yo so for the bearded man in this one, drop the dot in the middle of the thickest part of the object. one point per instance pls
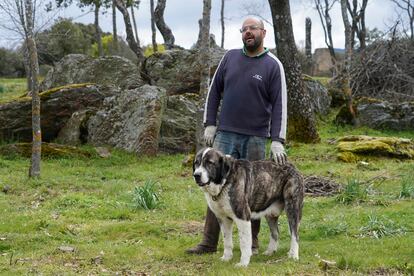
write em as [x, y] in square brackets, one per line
[251, 84]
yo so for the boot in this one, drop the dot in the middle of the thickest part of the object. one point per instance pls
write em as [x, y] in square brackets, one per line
[255, 234]
[210, 236]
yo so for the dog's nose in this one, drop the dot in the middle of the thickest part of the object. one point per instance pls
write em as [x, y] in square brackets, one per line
[197, 177]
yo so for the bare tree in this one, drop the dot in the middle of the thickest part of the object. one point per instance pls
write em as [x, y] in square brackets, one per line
[324, 7]
[257, 9]
[114, 29]
[98, 32]
[408, 7]
[153, 29]
[132, 4]
[132, 43]
[357, 12]
[162, 26]
[346, 68]
[204, 63]
[302, 123]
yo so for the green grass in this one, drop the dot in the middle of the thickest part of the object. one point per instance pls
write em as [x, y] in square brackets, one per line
[89, 204]
[11, 88]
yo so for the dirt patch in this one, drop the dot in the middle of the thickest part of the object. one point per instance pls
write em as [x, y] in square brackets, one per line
[192, 227]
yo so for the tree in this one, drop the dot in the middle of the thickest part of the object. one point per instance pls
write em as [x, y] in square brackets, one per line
[357, 12]
[22, 14]
[166, 32]
[153, 30]
[114, 28]
[346, 68]
[408, 7]
[132, 4]
[204, 63]
[135, 47]
[302, 123]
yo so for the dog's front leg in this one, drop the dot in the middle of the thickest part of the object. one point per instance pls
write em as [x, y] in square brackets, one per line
[226, 226]
[245, 235]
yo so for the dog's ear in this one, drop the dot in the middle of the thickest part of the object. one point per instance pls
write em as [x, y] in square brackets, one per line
[225, 163]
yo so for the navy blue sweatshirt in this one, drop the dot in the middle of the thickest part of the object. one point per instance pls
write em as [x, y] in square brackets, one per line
[253, 91]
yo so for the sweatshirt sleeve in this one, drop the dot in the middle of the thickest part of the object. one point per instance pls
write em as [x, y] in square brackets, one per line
[214, 95]
[278, 97]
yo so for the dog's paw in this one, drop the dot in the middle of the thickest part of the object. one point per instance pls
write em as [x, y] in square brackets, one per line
[226, 258]
[293, 255]
[242, 264]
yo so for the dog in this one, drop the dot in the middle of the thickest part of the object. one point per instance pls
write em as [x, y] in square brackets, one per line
[239, 190]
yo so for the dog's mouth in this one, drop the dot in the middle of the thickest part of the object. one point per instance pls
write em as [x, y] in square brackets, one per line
[199, 182]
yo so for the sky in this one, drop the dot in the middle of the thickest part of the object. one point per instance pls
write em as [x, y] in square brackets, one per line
[182, 17]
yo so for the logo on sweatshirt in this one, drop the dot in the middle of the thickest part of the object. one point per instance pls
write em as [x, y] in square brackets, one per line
[257, 77]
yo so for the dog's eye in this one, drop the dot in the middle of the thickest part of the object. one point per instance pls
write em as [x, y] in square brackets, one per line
[209, 162]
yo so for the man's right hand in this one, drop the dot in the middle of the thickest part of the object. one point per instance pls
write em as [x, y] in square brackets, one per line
[209, 134]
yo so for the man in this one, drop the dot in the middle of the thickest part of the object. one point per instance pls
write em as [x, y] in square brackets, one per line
[251, 84]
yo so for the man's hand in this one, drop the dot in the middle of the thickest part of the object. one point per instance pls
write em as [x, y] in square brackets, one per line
[209, 134]
[279, 154]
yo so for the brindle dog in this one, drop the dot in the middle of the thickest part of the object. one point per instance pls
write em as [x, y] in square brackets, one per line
[240, 190]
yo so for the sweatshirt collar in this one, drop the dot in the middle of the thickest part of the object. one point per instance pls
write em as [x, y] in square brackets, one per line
[258, 55]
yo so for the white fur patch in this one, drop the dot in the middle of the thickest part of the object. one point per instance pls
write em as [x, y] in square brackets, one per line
[273, 210]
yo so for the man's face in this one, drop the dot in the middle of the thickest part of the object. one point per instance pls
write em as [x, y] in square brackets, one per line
[253, 34]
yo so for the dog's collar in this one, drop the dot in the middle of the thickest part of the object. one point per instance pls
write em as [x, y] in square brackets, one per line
[216, 197]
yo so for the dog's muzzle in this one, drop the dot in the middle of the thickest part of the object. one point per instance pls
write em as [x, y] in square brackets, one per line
[197, 178]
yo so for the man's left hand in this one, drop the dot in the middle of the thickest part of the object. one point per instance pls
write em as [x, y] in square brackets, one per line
[279, 154]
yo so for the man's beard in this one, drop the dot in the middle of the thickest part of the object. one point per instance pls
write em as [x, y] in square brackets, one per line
[253, 47]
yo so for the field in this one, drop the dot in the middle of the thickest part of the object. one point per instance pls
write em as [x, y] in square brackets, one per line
[82, 217]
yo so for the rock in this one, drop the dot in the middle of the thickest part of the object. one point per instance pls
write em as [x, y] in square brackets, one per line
[57, 106]
[48, 150]
[130, 121]
[178, 124]
[66, 249]
[178, 71]
[108, 70]
[71, 132]
[103, 152]
[319, 95]
[379, 114]
[5, 189]
[355, 147]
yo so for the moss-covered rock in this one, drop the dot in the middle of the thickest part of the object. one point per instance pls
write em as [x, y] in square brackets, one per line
[356, 147]
[49, 150]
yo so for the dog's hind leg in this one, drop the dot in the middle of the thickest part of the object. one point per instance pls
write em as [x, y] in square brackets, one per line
[293, 194]
[245, 235]
[274, 235]
[226, 225]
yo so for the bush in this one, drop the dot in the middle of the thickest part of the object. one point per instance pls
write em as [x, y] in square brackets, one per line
[407, 187]
[2, 88]
[146, 197]
[354, 191]
[378, 227]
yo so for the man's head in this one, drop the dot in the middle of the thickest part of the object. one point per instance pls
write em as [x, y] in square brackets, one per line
[253, 33]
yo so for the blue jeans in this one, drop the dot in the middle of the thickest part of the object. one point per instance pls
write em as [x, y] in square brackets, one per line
[240, 146]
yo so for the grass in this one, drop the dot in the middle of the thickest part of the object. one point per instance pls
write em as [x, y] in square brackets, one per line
[11, 88]
[90, 205]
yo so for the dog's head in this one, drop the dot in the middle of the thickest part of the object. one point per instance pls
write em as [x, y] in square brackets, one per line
[210, 166]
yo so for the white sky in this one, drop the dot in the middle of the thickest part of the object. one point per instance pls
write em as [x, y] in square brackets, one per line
[182, 17]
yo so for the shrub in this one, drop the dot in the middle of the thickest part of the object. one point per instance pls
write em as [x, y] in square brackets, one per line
[146, 197]
[354, 191]
[2, 88]
[378, 227]
[407, 187]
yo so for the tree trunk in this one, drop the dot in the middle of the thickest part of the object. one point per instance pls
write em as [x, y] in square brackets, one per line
[114, 29]
[134, 22]
[164, 29]
[302, 123]
[346, 68]
[129, 32]
[204, 63]
[34, 170]
[308, 46]
[222, 23]
[98, 34]
[153, 29]
[27, 68]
